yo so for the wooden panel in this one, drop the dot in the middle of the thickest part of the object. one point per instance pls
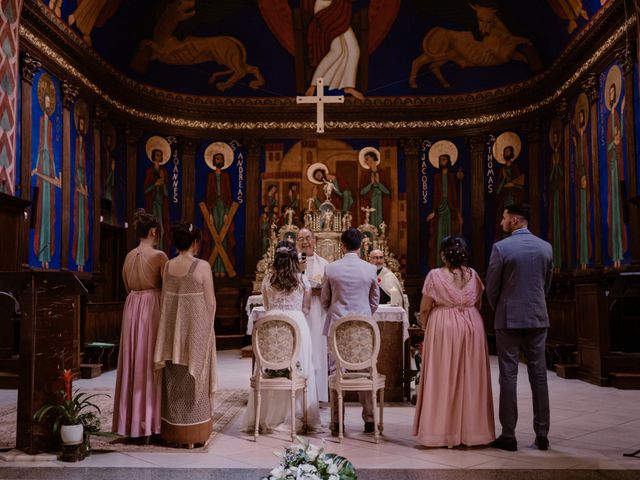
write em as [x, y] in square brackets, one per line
[593, 337]
[103, 322]
[49, 341]
[14, 228]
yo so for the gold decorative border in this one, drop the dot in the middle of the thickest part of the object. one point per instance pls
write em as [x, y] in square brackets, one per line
[46, 50]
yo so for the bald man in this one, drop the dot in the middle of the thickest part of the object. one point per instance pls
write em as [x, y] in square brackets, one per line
[390, 288]
[313, 268]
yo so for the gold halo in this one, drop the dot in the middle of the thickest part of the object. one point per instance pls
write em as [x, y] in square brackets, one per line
[80, 109]
[504, 140]
[613, 77]
[316, 166]
[363, 152]
[46, 87]
[109, 130]
[158, 143]
[218, 147]
[443, 147]
[581, 104]
[556, 126]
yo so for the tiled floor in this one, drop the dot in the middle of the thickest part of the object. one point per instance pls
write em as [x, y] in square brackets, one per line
[591, 428]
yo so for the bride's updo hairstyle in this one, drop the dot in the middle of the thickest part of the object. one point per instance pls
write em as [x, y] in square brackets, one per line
[285, 271]
[184, 234]
[454, 251]
[144, 222]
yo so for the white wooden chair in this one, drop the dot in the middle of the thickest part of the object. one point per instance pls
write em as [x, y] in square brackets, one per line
[355, 343]
[276, 344]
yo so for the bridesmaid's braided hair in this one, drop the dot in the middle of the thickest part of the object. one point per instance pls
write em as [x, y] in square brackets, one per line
[454, 250]
[144, 222]
[285, 270]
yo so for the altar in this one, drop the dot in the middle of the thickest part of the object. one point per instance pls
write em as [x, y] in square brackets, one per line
[327, 223]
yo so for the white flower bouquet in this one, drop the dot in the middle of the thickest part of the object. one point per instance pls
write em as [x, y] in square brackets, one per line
[308, 462]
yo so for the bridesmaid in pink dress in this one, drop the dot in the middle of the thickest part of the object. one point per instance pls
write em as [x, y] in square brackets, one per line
[136, 405]
[455, 403]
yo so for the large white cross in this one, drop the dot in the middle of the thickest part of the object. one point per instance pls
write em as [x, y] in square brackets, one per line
[320, 99]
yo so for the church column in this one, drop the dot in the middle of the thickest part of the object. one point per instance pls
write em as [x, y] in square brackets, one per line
[30, 67]
[69, 96]
[567, 230]
[413, 277]
[252, 246]
[132, 137]
[478, 149]
[98, 122]
[411, 149]
[535, 184]
[188, 147]
[590, 87]
[632, 209]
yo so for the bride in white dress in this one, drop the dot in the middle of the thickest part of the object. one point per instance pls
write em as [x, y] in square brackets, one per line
[286, 291]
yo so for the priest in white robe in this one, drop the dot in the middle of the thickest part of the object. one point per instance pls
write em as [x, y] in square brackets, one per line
[313, 268]
[390, 288]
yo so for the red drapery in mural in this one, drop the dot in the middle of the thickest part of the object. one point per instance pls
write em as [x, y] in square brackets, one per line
[9, 20]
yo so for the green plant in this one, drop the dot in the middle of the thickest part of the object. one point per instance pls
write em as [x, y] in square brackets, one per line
[76, 409]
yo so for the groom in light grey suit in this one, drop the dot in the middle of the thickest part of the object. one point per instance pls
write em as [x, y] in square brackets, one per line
[518, 280]
[351, 287]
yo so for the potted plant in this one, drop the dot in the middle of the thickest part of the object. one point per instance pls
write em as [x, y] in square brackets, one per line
[73, 415]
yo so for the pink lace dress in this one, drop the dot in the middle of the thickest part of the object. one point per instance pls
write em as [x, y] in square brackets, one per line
[455, 403]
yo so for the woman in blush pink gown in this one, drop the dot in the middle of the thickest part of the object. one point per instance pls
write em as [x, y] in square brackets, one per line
[455, 403]
[136, 405]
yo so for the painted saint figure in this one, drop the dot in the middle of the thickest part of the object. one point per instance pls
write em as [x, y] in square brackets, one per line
[332, 45]
[617, 230]
[44, 241]
[110, 183]
[219, 156]
[80, 194]
[510, 182]
[556, 182]
[446, 218]
[373, 184]
[156, 185]
[583, 198]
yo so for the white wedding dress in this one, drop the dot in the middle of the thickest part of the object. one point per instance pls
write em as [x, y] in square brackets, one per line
[275, 406]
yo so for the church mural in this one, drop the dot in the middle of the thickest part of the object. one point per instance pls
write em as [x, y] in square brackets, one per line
[506, 181]
[347, 182]
[445, 196]
[246, 48]
[220, 205]
[113, 175]
[9, 16]
[555, 176]
[612, 152]
[160, 193]
[581, 181]
[82, 162]
[46, 172]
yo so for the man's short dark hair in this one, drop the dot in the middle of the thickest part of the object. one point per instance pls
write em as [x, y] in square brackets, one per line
[351, 239]
[521, 209]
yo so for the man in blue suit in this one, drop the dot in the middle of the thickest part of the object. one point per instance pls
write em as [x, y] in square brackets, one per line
[518, 280]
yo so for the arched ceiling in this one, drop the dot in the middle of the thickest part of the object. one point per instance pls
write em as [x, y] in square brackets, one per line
[179, 45]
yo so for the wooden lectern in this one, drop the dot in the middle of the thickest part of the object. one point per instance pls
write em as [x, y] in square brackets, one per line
[49, 303]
